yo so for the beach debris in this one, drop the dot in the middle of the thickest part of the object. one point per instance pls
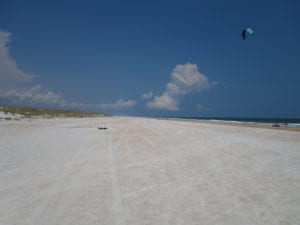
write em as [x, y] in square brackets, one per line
[275, 125]
[246, 32]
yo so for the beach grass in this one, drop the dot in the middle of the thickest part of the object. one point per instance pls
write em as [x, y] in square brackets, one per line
[48, 113]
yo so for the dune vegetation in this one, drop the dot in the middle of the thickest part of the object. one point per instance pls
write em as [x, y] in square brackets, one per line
[48, 113]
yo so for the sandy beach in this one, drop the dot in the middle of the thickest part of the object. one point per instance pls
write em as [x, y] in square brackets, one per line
[146, 172]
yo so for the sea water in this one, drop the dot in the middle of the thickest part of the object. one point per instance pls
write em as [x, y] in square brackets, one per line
[289, 122]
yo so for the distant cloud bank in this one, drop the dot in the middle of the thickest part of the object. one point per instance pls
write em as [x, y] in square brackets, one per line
[16, 87]
[14, 90]
[36, 95]
[185, 79]
[14, 82]
[120, 104]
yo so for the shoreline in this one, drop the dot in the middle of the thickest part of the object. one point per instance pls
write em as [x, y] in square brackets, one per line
[229, 123]
[219, 122]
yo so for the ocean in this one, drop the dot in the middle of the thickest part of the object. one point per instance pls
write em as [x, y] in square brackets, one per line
[287, 122]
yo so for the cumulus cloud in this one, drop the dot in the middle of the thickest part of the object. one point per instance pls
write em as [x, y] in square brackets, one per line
[9, 71]
[120, 104]
[36, 95]
[12, 80]
[147, 96]
[185, 79]
[164, 101]
[13, 90]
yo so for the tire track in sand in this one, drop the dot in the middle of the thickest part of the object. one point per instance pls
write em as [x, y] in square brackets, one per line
[63, 180]
[118, 214]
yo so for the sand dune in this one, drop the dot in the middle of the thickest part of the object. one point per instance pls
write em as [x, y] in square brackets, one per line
[146, 171]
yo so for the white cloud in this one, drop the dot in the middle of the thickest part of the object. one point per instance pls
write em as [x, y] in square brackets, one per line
[147, 96]
[185, 79]
[9, 71]
[164, 101]
[120, 104]
[36, 95]
[12, 87]
[12, 80]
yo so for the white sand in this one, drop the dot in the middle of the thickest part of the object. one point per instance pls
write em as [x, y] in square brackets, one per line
[8, 115]
[146, 171]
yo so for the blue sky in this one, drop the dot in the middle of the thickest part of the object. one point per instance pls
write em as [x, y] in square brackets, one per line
[186, 57]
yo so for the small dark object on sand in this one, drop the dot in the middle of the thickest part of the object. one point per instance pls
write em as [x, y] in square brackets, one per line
[102, 128]
[275, 125]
